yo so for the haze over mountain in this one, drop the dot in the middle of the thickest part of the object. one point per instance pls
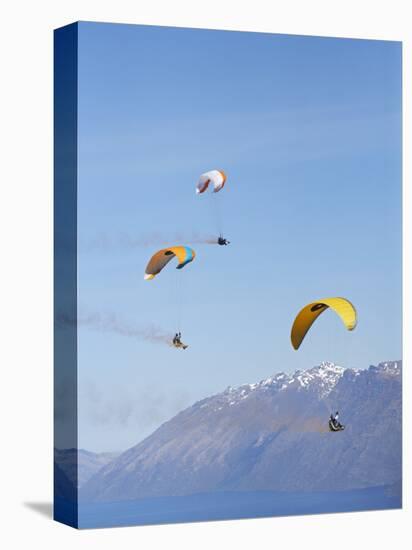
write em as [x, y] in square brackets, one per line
[270, 436]
[81, 464]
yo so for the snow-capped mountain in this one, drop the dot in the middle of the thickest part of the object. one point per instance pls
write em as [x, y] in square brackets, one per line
[270, 435]
[321, 380]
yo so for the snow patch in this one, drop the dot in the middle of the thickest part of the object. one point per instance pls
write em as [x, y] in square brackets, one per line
[320, 379]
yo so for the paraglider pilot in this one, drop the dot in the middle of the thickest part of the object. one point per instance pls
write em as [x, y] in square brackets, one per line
[222, 241]
[177, 341]
[177, 338]
[335, 420]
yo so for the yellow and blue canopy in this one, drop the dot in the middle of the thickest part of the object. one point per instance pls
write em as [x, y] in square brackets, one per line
[160, 259]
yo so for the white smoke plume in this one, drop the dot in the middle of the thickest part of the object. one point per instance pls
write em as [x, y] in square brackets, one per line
[110, 323]
[124, 241]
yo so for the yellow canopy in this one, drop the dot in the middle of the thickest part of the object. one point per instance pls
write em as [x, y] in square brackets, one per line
[308, 315]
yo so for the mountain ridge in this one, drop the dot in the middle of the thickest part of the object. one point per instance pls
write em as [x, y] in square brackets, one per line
[270, 435]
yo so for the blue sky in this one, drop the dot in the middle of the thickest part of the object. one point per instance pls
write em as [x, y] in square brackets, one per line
[308, 131]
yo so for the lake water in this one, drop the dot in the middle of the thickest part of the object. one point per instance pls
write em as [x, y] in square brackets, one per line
[225, 506]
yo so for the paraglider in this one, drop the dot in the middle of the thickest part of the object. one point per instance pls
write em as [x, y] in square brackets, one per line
[308, 315]
[334, 424]
[213, 180]
[184, 255]
[160, 259]
[305, 319]
[177, 341]
[222, 241]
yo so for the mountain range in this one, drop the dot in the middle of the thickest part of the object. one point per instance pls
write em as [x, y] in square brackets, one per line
[270, 436]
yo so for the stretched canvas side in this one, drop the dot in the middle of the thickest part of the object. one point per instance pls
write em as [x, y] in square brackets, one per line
[65, 275]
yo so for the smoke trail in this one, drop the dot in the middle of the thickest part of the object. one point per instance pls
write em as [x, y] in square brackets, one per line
[124, 241]
[137, 404]
[111, 324]
[203, 240]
